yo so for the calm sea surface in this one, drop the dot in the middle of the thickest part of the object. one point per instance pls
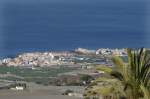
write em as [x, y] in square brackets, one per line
[30, 25]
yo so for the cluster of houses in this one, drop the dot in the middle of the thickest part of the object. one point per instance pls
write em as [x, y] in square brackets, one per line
[57, 58]
[36, 59]
[116, 52]
[103, 51]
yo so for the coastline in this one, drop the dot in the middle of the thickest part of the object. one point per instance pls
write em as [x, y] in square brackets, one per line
[49, 58]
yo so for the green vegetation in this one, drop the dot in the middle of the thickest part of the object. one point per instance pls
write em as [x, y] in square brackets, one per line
[86, 78]
[38, 75]
[126, 80]
[39, 72]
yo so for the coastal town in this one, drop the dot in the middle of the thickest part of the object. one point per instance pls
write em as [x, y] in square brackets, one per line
[67, 75]
[59, 58]
[63, 73]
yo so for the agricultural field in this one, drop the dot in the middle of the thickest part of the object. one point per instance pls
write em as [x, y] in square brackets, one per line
[38, 75]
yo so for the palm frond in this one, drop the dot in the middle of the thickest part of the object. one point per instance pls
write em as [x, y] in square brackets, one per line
[146, 92]
[118, 62]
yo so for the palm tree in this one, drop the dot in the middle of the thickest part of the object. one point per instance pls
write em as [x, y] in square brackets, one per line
[134, 76]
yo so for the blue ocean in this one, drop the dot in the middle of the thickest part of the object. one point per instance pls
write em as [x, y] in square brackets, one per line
[48, 25]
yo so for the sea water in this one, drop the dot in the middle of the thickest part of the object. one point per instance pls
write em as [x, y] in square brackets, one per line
[44, 25]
